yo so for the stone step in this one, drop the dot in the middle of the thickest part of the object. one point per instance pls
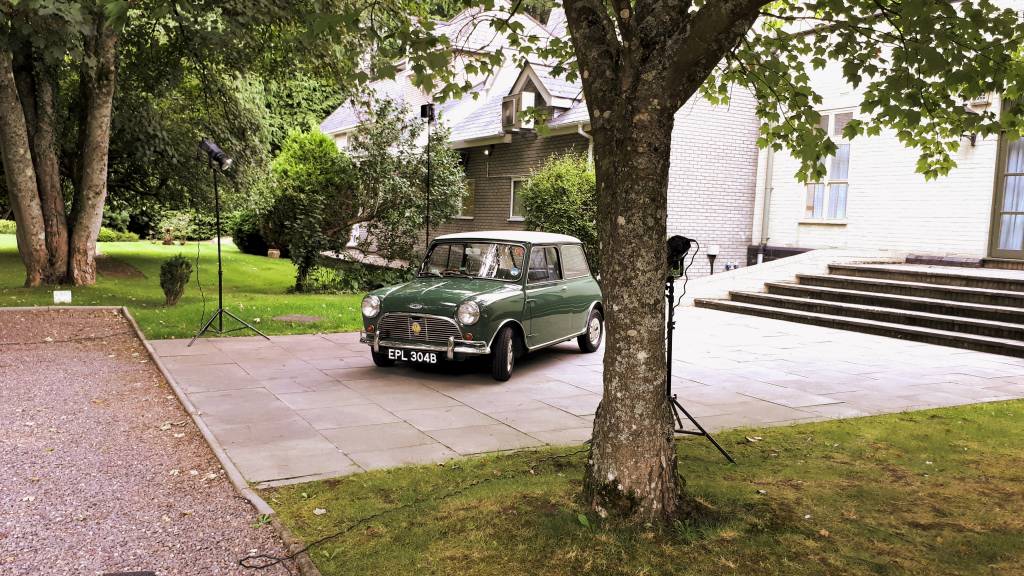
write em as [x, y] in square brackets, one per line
[916, 289]
[1007, 330]
[918, 334]
[916, 304]
[940, 275]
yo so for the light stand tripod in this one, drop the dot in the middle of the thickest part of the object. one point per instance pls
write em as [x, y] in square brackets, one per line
[215, 154]
[677, 408]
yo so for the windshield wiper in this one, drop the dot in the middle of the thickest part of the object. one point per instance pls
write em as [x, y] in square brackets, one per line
[447, 273]
[429, 273]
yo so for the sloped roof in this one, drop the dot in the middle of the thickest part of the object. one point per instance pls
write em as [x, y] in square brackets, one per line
[558, 86]
[476, 114]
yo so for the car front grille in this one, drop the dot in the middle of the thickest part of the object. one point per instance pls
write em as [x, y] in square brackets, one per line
[433, 330]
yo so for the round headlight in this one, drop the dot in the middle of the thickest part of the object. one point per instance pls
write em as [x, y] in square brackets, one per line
[468, 313]
[371, 306]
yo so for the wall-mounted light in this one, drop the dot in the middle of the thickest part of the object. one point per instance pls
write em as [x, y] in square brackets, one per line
[488, 150]
[712, 253]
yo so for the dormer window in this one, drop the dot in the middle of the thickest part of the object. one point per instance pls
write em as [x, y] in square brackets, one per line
[512, 111]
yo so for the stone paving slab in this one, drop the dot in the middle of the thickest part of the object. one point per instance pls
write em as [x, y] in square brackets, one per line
[297, 408]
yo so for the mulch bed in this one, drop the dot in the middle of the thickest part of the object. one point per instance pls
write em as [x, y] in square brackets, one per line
[103, 471]
[111, 267]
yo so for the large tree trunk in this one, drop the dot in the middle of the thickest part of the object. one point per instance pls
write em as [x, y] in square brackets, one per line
[632, 467]
[20, 176]
[47, 165]
[99, 73]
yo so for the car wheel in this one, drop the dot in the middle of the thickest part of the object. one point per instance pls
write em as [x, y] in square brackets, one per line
[381, 359]
[503, 358]
[590, 340]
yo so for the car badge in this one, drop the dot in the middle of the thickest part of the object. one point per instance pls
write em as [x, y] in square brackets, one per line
[415, 306]
[416, 328]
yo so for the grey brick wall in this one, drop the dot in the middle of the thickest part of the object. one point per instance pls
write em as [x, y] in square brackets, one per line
[492, 176]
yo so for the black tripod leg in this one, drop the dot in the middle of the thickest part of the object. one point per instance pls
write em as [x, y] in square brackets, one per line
[246, 324]
[203, 329]
[703, 432]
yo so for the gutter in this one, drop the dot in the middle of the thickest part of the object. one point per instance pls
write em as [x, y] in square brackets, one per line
[766, 201]
[590, 142]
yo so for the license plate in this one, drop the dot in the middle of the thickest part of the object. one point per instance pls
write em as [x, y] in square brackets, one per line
[412, 356]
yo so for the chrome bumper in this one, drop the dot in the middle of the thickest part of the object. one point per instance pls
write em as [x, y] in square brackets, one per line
[453, 347]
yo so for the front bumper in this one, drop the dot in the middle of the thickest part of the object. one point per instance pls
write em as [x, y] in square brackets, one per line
[453, 347]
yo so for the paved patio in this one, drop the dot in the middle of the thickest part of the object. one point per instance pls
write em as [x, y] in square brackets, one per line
[296, 408]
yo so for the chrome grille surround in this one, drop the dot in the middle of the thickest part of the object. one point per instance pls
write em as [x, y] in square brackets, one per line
[434, 329]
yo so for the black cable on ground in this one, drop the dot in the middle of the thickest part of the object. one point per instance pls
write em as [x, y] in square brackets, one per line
[263, 561]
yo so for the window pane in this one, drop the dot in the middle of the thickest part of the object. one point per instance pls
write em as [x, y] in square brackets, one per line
[538, 266]
[1015, 157]
[1013, 194]
[517, 201]
[823, 123]
[837, 201]
[840, 169]
[841, 121]
[1011, 232]
[554, 270]
[815, 201]
[574, 262]
[468, 200]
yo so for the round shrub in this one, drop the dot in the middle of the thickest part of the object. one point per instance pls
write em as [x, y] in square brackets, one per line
[247, 235]
[174, 276]
[562, 198]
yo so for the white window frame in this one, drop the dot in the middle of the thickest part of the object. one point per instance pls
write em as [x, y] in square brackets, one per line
[470, 182]
[828, 180]
[511, 200]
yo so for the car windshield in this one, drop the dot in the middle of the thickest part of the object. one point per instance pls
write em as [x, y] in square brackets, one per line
[474, 260]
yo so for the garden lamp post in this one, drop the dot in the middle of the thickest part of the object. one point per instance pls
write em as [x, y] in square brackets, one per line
[427, 112]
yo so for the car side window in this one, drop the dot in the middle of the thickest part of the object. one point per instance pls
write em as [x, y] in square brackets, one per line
[554, 264]
[538, 266]
[574, 261]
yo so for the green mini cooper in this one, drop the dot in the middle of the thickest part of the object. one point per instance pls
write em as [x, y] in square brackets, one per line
[497, 293]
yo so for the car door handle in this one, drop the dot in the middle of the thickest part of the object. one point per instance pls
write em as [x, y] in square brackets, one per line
[564, 288]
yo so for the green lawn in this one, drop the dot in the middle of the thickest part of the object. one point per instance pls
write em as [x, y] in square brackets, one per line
[254, 288]
[933, 493]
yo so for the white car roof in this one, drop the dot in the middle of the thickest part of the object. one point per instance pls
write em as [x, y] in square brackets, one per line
[512, 236]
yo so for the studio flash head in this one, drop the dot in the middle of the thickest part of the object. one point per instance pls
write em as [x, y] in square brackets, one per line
[678, 247]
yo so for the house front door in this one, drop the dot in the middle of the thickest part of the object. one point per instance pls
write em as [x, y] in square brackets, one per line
[1007, 237]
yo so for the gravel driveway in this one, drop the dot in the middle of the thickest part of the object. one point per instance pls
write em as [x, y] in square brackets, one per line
[102, 470]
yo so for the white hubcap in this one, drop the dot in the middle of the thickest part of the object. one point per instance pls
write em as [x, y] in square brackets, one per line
[594, 331]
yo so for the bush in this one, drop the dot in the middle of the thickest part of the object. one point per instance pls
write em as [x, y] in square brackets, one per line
[338, 277]
[562, 198]
[246, 234]
[174, 276]
[108, 235]
[317, 183]
[187, 225]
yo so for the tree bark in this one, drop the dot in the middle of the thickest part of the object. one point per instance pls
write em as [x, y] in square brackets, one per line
[47, 165]
[99, 75]
[20, 176]
[639, 62]
[631, 471]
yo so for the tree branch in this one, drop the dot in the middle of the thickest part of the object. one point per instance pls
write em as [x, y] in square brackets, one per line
[597, 47]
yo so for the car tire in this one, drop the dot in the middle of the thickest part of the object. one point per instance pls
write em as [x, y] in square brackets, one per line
[503, 358]
[381, 359]
[591, 338]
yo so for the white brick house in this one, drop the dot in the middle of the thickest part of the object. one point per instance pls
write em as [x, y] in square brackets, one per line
[874, 198]
[714, 161]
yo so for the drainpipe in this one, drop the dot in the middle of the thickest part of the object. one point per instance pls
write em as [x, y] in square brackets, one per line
[590, 143]
[766, 200]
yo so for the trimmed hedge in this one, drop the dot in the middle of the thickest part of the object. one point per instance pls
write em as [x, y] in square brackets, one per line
[106, 234]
